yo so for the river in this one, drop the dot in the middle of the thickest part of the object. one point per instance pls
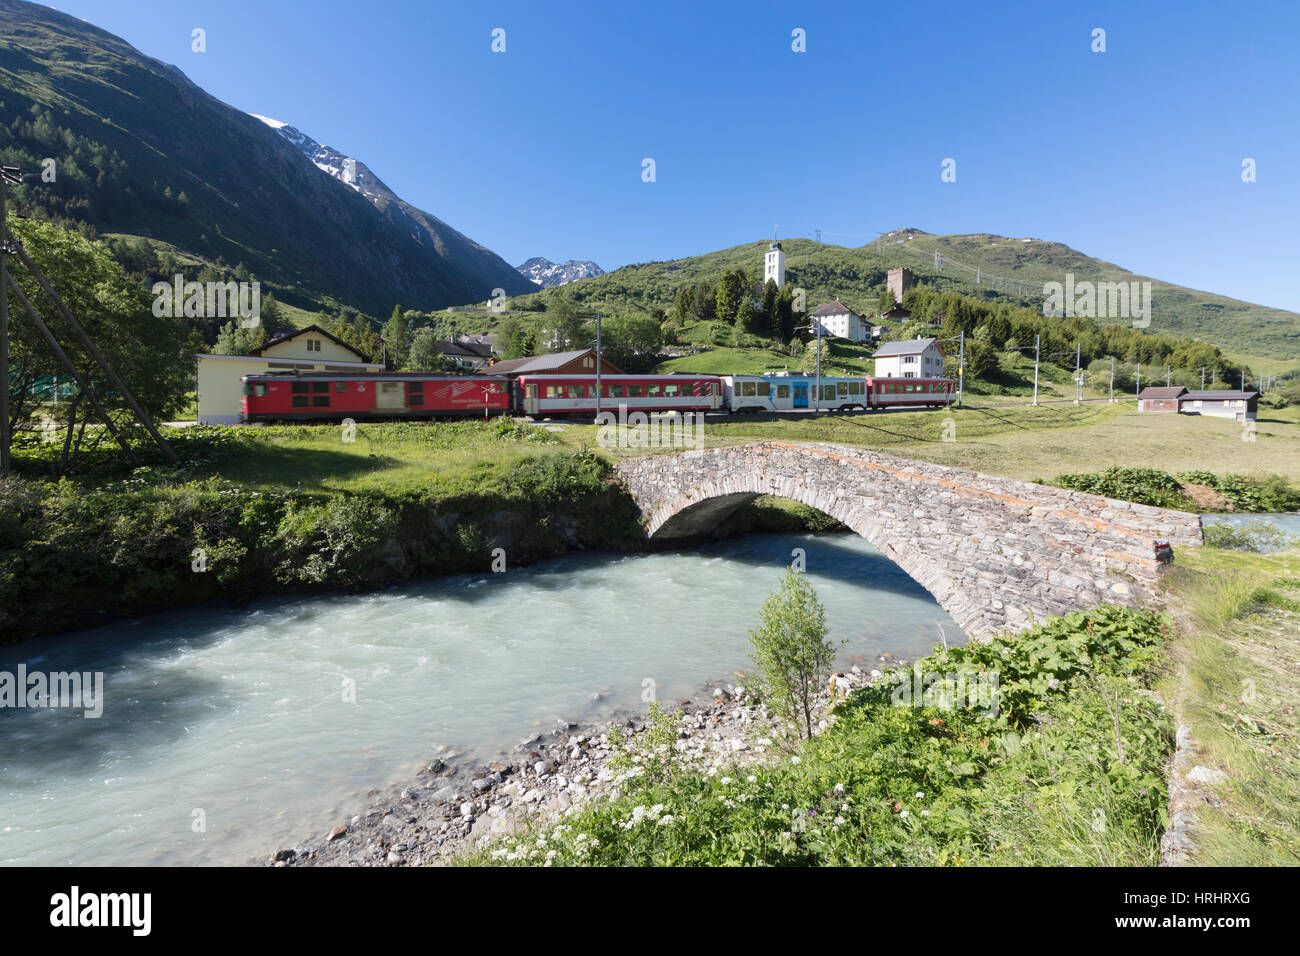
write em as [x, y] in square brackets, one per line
[226, 732]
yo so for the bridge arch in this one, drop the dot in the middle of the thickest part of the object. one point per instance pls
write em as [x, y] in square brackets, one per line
[996, 553]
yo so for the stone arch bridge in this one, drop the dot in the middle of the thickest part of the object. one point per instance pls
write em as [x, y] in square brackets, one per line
[996, 553]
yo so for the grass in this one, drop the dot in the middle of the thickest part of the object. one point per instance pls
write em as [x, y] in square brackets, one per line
[1238, 682]
[443, 458]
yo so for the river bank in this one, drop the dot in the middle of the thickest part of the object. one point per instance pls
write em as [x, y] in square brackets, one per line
[454, 806]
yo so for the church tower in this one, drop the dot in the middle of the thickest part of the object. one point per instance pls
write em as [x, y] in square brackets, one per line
[774, 265]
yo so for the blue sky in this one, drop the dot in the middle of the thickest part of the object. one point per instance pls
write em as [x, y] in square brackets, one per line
[1133, 155]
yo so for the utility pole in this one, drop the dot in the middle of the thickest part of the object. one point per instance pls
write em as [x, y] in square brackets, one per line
[1037, 340]
[1202, 378]
[961, 364]
[817, 408]
[1078, 382]
[598, 365]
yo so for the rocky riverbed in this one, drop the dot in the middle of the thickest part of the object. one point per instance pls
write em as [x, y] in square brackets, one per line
[453, 805]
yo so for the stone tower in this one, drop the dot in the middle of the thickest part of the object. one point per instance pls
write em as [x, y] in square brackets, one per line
[899, 281]
[774, 265]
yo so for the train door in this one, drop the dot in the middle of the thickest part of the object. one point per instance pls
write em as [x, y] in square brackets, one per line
[800, 394]
[531, 405]
[390, 396]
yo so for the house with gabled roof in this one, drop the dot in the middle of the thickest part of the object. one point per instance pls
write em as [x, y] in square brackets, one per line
[839, 321]
[312, 349]
[910, 358]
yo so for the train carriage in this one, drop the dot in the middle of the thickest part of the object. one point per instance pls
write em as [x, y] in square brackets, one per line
[776, 393]
[332, 396]
[911, 392]
[553, 395]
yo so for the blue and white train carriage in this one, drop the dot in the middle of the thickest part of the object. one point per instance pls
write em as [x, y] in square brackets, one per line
[773, 393]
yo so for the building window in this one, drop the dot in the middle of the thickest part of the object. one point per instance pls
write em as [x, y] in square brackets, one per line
[909, 359]
[313, 345]
[588, 362]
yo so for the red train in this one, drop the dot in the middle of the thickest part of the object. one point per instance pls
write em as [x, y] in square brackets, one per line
[331, 396]
[553, 394]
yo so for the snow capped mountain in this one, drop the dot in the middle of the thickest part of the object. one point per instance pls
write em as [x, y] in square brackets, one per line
[547, 273]
[345, 169]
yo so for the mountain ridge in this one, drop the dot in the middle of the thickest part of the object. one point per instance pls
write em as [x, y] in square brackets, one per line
[257, 200]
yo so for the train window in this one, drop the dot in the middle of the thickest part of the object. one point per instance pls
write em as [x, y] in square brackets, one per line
[842, 388]
[855, 388]
[260, 390]
[764, 388]
[248, 389]
[634, 391]
[747, 388]
[783, 391]
[652, 391]
[672, 391]
[616, 391]
[554, 391]
[575, 391]
[415, 399]
[320, 386]
[828, 391]
[340, 386]
[300, 401]
[298, 388]
[415, 386]
[320, 401]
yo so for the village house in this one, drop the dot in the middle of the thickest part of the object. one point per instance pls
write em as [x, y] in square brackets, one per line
[577, 362]
[466, 355]
[220, 389]
[839, 321]
[910, 358]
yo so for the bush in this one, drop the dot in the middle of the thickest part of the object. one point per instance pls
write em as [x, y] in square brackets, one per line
[1256, 536]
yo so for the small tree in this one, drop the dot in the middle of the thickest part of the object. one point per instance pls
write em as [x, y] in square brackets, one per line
[791, 653]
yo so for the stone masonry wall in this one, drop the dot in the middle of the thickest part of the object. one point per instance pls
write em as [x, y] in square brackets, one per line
[996, 553]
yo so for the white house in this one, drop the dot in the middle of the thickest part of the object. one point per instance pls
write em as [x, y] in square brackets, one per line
[911, 358]
[221, 392]
[838, 320]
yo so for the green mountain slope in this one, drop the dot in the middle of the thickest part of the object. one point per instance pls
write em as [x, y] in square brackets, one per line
[857, 277]
[141, 150]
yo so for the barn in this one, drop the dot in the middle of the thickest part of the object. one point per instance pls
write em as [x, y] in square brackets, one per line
[1161, 398]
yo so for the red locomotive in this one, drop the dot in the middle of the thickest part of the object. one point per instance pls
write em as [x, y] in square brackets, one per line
[331, 396]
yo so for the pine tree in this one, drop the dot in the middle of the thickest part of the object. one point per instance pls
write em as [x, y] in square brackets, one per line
[397, 335]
